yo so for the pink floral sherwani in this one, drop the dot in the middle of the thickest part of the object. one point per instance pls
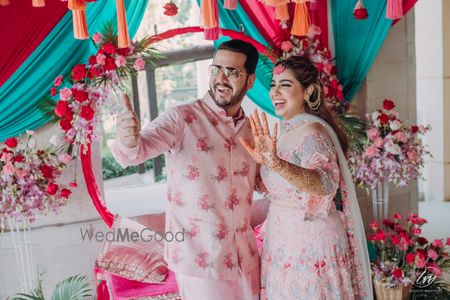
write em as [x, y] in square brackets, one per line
[210, 181]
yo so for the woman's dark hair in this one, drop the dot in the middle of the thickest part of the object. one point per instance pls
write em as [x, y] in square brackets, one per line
[245, 48]
[307, 74]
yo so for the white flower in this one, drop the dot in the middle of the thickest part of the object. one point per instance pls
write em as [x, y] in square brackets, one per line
[395, 125]
[392, 148]
[54, 140]
[30, 132]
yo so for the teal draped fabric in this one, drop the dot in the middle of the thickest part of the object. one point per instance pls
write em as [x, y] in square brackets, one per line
[58, 52]
[230, 19]
[357, 42]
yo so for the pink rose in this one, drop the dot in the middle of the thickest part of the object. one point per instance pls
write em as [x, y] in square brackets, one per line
[412, 155]
[286, 46]
[8, 169]
[372, 133]
[101, 58]
[378, 142]
[121, 61]
[437, 244]
[401, 136]
[139, 64]
[97, 38]
[371, 151]
[432, 254]
[65, 94]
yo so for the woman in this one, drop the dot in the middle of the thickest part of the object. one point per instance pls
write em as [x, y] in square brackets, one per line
[311, 250]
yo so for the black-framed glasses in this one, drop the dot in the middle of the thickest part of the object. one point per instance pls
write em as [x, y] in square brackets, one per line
[231, 73]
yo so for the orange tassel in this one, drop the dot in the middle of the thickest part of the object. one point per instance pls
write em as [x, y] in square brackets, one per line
[4, 2]
[76, 4]
[301, 22]
[123, 36]
[38, 3]
[209, 13]
[394, 9]
[282, 12]
[230, 4]
[79, 24]
[275, 2]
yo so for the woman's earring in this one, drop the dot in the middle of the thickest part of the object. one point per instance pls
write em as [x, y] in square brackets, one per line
[313, 105]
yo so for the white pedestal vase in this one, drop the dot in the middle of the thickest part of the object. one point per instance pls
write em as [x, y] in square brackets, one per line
[380, 201]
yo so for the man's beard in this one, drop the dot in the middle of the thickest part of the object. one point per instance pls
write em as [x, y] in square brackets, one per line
[235, 98]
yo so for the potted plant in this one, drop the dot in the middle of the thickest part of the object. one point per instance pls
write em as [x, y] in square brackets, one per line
[406, 261]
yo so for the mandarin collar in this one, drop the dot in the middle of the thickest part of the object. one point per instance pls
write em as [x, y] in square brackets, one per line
[295, 121]
[208, 100]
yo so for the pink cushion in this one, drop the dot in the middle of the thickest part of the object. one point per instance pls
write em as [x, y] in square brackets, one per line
[140, 261]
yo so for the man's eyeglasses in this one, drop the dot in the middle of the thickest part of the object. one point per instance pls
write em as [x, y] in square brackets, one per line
[231, 73]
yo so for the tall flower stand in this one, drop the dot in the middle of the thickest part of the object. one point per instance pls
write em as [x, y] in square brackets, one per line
[380, 200]
[20, 233]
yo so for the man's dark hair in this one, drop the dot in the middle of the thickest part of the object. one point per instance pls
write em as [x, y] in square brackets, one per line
[245, 48]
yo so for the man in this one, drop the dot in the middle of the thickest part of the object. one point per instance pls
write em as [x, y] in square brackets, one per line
[210, 179]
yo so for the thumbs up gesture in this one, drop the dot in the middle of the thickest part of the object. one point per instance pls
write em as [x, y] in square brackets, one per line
[128, 126]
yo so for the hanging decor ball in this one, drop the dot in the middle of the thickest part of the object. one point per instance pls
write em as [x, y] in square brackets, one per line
[360, 12]
[170, 9]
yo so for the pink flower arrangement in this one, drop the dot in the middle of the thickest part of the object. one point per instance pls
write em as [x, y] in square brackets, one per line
[392, 151]
[88, 87]
[310, 47]
[29, 180]
[402, 255]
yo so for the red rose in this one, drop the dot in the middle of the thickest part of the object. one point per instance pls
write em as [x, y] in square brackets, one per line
[422, 240]
[65, 124]
[110, 64]
[397, 216]
[383, 118]
[416, 231]
[395, 239]
[170, 9]
[397, 273]
[79, 72]
[319, 67]
[94, 72]
[65, 193]
[47, 171]
[18, 158]
[360, 13]
[11, 142]
[109, 48]
[61, 108]
[92, 60]
[81, 95]
[52, 188]
[414, 128]
[410, 258]
[123, 51]
[380, 235]
[87, 112]
[388, 104]
[40, 152]
[69, 115]
[53, 91]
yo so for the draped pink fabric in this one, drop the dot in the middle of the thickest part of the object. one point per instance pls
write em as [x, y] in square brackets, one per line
[407, 5]
[22, 28]
[262, 17]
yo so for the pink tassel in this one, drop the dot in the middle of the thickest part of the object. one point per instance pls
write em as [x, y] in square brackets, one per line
[230, 4]
[394, 9]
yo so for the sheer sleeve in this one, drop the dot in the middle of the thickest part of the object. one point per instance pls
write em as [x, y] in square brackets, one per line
[317, 152]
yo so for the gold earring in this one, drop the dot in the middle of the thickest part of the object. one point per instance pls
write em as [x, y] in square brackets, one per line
[313, 105]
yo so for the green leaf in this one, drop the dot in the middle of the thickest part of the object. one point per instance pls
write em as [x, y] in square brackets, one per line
[73, 288]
